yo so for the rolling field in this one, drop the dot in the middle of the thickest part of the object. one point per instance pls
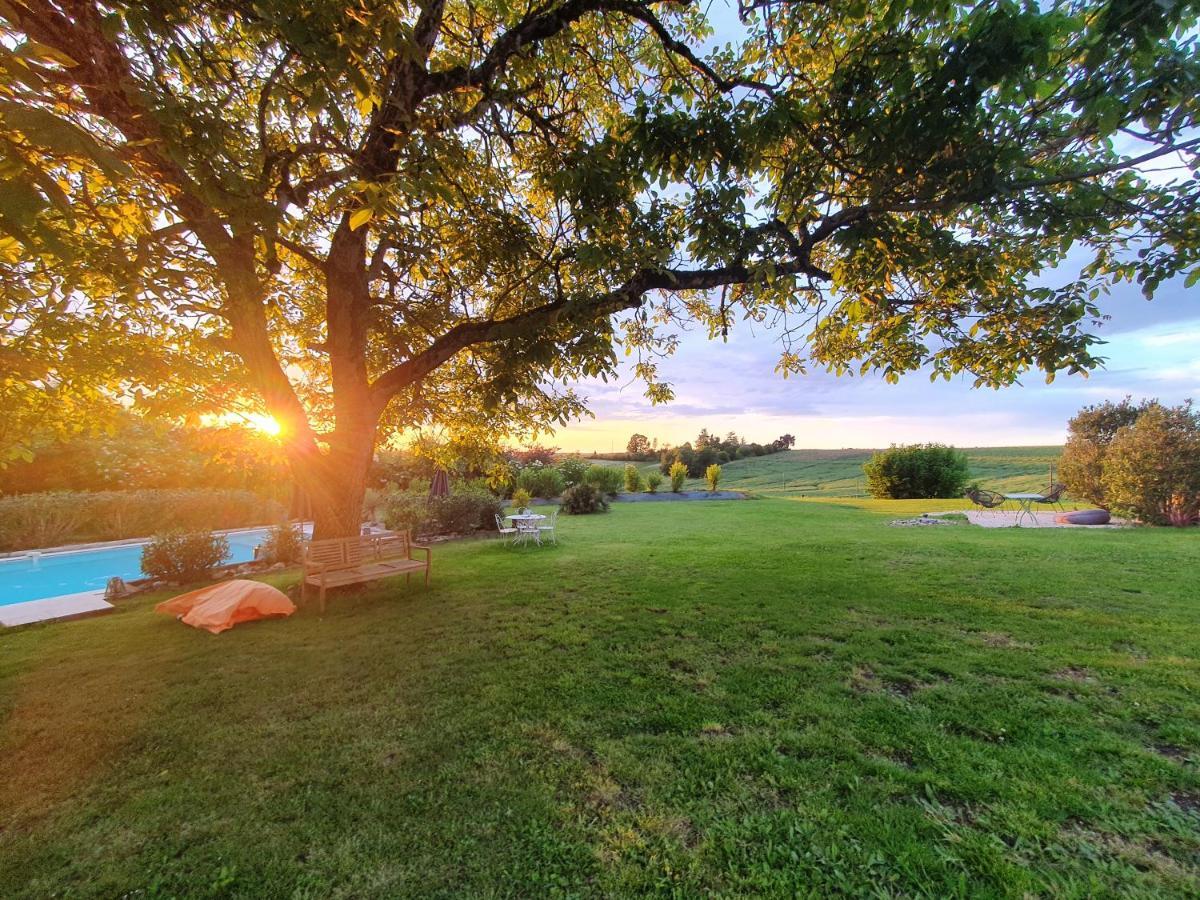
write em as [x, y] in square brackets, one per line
[839, 473]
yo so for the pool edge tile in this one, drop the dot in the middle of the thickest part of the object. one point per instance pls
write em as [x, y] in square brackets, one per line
[48, 609]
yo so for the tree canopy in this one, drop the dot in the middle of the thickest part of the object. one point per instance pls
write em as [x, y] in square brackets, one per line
[366, 213]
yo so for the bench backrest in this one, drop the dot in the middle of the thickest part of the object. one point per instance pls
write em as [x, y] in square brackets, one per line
[349, 553]
[396, 543]
[327, 554]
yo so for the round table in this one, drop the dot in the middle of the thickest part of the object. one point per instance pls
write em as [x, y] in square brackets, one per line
[519, 519]
[1025, 505]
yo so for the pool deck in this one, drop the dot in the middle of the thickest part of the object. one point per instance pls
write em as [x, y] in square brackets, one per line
[995, 518]
[68, 606]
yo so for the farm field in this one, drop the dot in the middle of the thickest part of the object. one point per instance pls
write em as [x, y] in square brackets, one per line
[839, 473]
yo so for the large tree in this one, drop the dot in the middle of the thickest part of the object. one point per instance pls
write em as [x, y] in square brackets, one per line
[367, 215]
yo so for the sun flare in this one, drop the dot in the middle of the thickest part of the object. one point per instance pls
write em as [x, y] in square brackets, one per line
[264, 423]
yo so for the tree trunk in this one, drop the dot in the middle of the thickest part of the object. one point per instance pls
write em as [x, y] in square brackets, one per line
[336, 482]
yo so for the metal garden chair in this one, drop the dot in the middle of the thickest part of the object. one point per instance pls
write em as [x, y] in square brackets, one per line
[506, 530]
[1053, 497]
[985, 499]
[548, 528]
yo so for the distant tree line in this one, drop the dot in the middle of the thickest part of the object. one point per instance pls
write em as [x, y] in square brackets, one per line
[711, 449]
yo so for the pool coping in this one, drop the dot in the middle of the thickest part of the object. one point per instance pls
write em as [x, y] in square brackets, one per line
[53, 609]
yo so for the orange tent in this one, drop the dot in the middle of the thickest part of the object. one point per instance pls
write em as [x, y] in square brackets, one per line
[224, 605]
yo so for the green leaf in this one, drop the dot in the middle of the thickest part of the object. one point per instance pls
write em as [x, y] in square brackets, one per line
[60, 136]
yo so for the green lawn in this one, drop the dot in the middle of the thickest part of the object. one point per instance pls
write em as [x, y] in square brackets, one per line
[694, 699]
[839, 473]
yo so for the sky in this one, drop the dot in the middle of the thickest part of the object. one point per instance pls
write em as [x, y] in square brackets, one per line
[1151, 350]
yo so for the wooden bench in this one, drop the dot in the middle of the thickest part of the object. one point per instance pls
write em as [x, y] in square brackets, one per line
[340, 561]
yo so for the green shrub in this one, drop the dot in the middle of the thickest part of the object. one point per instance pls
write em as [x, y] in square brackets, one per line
[470, 507]
[1151, 469]
[184, 556]
[464, 511]
[400, 510]
[540, 481]
[633, 479]
[41, 520]
[653, 480]
[678, 475]
[521, 498]
[572, 470]
[284, 544]
[607, 479]
[713, 476]
[583, 499]
[916, 471]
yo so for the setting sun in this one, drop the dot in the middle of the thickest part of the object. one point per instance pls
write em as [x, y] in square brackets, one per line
[262, 422]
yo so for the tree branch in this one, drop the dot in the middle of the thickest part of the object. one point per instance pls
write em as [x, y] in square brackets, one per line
[629, 296]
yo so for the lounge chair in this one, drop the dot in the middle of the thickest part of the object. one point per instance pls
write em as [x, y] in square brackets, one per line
[1053, 497]
[985, 499]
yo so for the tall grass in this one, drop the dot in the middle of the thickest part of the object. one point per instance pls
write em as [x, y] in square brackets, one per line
[28, 521]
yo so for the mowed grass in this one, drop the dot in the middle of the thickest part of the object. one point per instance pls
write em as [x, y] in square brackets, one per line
[697, 699]
[839, 473]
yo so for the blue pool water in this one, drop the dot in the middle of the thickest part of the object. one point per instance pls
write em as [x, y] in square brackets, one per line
[25, 578]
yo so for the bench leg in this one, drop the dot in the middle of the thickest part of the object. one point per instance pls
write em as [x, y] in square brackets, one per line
[321, 599]
[427, 568]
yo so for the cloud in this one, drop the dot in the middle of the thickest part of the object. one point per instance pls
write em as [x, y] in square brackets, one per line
[1150, 350]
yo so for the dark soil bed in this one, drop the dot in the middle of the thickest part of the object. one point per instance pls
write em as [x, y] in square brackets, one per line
[682, 495]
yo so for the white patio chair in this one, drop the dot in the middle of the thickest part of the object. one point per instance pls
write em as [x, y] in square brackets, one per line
[527, 531]
[505, 530]
[548, 527]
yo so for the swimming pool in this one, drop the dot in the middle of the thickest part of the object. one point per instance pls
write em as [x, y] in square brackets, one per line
[36, 576]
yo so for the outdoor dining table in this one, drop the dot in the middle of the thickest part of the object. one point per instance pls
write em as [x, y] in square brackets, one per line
[1025, 505]
[526, 520]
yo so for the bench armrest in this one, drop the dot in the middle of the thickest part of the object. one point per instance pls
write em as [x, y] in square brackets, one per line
[412, 547]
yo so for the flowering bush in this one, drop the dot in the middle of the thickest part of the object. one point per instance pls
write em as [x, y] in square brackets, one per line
[572, 470]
